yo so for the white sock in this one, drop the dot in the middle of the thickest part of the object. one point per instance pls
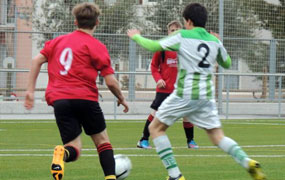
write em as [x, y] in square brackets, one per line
[164, 150]
[232, 148]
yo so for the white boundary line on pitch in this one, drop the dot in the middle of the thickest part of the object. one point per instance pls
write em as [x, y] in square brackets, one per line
[139, 155]
[124, 149]
[143, 120]
[134, 121]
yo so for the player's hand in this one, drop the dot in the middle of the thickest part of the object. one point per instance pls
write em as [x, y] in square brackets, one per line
[215, 34]
[125, 104]
[132, 32]
[29, 100]
[161, 84]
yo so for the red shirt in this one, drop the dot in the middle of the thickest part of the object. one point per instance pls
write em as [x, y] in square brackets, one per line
[74, 60]
[165, 69]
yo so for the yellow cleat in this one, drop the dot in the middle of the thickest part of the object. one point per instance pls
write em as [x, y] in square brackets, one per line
[255, 170]
[180, 177]
[57, 166]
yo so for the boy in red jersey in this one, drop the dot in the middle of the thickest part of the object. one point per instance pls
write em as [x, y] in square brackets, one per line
[74, 61]
[164, 71]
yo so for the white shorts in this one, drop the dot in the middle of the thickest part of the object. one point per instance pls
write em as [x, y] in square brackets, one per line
[202, 113]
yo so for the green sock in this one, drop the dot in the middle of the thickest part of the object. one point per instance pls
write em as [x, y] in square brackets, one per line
[232, 148]
[164, 150]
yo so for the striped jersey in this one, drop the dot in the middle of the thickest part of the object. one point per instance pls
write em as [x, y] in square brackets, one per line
[198, 52]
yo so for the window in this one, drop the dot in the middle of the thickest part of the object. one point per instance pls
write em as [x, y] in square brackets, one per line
[7, 14]
[3, 49]
[3, 12]
[2, 57]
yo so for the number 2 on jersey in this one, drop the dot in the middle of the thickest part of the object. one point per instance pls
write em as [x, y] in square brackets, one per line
[202, 63]
[65, 59]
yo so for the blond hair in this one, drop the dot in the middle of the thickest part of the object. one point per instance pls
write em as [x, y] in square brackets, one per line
[176, 23]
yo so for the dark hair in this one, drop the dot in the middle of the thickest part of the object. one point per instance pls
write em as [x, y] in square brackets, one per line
[86, 14]
[196, 13]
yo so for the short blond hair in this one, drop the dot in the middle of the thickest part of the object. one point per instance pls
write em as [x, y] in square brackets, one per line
[176, 23]
[86, 14]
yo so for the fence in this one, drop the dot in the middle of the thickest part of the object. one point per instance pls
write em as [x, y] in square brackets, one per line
[251, 102]
[252, 32]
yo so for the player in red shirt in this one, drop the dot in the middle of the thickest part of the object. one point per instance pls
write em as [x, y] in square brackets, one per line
[74, 61]
[164, 72]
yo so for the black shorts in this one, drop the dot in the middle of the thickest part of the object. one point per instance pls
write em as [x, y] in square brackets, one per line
[159, 98]
[73, 114]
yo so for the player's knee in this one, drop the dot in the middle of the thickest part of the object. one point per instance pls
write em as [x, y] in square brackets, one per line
[215, 135]
[156, 128]
[100, 138]
[151, 128]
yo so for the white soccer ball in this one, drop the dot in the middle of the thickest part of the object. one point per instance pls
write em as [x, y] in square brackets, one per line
[123, 166]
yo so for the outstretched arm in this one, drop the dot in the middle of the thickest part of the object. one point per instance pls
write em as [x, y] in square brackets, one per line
[33, 75]
[148, 44]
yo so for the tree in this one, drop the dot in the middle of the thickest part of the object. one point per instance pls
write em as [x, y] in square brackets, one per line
[55, 18]
[238, 24]
[241, 20]
[114, 22]
[272, 18]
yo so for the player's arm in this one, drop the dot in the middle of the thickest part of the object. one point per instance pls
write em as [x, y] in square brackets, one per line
[154, 67]
[33, 75]
[153, 45]
[224, 59]
[113, 86]
[155, 70]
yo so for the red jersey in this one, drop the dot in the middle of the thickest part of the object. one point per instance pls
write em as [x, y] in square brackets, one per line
[74, 60]
[165, 69]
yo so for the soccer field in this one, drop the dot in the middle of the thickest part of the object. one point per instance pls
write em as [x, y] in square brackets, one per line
[26, 148]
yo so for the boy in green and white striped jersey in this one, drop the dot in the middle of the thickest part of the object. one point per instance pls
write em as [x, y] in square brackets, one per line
[193, 97]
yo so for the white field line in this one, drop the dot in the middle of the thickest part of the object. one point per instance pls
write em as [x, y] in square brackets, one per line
[126, 149]
[143, 120]
[243, 123]
[140, 155]
[135, 121]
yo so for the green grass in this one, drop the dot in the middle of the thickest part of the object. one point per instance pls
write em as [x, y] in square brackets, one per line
[26, 151]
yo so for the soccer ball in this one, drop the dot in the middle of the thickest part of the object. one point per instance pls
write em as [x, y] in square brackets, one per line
[123, 166]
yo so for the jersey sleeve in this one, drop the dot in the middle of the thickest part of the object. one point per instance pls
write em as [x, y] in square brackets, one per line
[151, 45]
[172, 42]
[46, 51]
[101, 60]
[155, 66]
[223, 58]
